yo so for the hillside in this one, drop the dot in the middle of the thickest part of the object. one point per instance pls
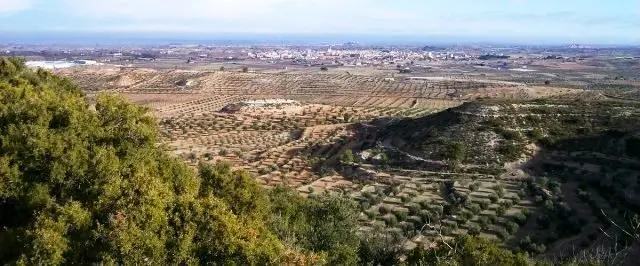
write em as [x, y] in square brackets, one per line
[561, 169]
[487, 128]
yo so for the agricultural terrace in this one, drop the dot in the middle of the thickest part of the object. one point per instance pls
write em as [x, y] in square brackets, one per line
[327, 132]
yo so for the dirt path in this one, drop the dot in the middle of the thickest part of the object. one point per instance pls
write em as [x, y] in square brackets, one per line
[387, 145]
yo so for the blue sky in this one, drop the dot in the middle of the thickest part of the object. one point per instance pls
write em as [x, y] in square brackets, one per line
[574, 21]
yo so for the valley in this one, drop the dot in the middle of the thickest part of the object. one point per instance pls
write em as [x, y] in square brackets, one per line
[425, 159]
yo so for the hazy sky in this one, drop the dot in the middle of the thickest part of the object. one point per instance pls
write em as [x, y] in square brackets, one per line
[593, 21]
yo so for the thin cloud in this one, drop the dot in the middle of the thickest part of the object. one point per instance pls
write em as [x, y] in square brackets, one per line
[246, 15]
[12, 6]
[176, 10]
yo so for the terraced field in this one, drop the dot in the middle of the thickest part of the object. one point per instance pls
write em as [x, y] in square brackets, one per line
[545, 176]
[336, 89]
[294, 130]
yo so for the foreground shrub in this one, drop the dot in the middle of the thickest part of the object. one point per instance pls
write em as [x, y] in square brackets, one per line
[468, 251]
[89, 185]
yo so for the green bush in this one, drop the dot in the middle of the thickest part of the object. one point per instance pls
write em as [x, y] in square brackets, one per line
[401, 216]
[364, 205]
[467, 214]
[473, 230]
[391, 220]
[453, 226]
[502, 234]
[483, 222]
[475, 208]
[484, 204]
[494, 198]
[492, 218]
[506, 203]
[377, 247]
[438, 209]
[520, 218]
[456, 151]
[367, 195]
[510, 150]
[499, 190]
[405, 198]
[475, 186]
[536, 134]
[501, 210]
[86, 184]
[515, 199]
[469, 251]
[512, 227]
[522, 194]
[511, 135]
[347, 157]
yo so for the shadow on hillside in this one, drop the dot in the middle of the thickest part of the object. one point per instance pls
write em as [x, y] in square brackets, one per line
[582, 185]
[598, 160]
[327, 155]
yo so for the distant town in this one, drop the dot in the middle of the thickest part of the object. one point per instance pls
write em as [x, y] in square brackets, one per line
[405, 59]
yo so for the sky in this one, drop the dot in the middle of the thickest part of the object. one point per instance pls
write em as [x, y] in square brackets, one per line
[570, 21]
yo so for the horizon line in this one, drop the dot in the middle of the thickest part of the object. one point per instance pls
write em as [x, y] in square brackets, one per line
[365, 38]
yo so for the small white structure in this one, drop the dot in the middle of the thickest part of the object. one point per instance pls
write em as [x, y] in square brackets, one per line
[279, 104]
[85, 62]
[60, 64]
[50, 64]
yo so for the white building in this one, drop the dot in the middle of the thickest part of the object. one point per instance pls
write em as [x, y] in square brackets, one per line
[85, 62]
